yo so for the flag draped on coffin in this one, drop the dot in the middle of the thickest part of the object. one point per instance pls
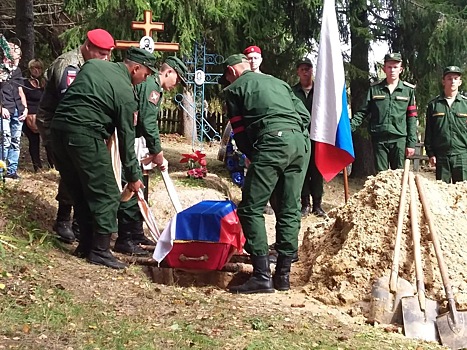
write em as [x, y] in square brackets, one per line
[330, 124]
[206, 221]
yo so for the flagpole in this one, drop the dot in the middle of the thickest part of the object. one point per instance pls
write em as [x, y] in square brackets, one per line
[330, 123]
[346, 185]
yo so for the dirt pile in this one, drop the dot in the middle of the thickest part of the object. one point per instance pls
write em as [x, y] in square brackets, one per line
[343, 256]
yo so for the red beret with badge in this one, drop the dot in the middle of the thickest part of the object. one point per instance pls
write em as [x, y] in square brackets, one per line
[101, 38]
[251, 49]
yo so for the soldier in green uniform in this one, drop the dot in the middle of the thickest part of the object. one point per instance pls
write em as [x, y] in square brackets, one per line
[130, 221]
[446, 129]
[100, 99]
[313, 184]
[390, 104]
[270, 126]
[60, 75]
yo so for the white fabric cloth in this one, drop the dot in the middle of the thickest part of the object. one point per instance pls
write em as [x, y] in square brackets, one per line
[166, 239]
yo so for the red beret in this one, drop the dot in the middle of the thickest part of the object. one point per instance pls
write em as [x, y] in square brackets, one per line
[251, 49]
[101, 38]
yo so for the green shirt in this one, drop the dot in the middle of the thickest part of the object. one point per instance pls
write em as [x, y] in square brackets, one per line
[446, 127]
[260, 103]
[101, 99]
[150, 96]
[392, 115]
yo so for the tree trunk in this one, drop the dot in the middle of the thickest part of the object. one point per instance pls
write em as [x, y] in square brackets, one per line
[363, 165]
[25, 30]
[188, 123]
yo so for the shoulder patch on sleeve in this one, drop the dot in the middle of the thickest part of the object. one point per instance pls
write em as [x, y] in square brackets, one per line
[154, 97]
[70, 77]
[408, 84]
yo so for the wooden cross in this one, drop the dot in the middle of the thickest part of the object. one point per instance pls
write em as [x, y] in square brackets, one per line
[147, 26]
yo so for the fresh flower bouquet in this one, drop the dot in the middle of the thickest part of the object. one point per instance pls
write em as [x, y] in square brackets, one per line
[196, 164]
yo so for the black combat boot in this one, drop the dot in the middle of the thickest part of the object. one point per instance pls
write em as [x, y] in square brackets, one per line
[260, 281]
[273, 255]
[75, 228]
[124, 243]
[137, 233]
[63, 224]
[317, 210]
[100, 253]
[64, 231]
[281, 276]
[85, 242]
[305, 206]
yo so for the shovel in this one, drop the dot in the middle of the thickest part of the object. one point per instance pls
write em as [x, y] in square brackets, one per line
[386, 292]
[418, 312]
[171, 190]
[452, 324]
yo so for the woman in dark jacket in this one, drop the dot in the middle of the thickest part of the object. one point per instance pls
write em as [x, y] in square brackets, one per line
[33, 89]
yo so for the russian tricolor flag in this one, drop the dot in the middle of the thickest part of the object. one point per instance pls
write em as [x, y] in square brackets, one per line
[330, 124]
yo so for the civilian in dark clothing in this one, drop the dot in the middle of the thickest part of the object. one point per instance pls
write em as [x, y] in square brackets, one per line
[33, 90]
[14, 111]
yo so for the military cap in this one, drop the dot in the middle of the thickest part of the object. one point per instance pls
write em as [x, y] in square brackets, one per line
[101, 38]
[306, 61]
[232, 60]
[394, 56]
[142, 56]
[251, 49]
[452, 69]
[180, 67]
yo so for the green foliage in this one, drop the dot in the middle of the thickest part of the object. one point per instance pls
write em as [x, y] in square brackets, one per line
[283, 30]
[430, 37]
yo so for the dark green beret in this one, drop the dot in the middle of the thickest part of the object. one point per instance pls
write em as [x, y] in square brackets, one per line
[180, 67]
[143, 57]
[395, 56]
[452, 69]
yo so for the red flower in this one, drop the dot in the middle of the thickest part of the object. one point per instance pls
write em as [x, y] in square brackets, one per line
[192, 159]
[188, 157]
[197, 173]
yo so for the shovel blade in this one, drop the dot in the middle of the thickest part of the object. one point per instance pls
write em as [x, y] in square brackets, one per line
[453, 335]
[419, 324]
[385, 306]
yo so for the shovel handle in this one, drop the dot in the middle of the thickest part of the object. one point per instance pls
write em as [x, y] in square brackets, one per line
[416, 242]
[172, 191]
[400, 221]
[439, 253]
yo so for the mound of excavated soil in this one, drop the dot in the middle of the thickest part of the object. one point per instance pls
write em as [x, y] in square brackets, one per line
[343, 256]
